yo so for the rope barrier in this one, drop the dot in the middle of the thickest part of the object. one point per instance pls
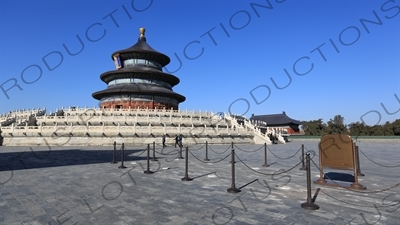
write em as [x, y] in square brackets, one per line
[376, 162]
[161, 153]
[218, 152]
[315, 154]
[209, 161]
[284, 158]
[347, 188]
[142, 151]
[267, 174]
[312, 153]
[248, 151]
[366, 206]
[177, 157]
[200, 147]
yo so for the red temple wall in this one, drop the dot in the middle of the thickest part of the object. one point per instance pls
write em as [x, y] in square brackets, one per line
[137, 104]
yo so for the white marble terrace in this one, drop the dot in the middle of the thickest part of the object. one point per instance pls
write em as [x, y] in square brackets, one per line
[95, 126]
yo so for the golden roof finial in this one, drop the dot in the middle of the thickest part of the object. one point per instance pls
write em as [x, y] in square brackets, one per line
[142, 30]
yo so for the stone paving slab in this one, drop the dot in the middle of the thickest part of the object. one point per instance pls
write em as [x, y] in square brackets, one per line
[79, 185]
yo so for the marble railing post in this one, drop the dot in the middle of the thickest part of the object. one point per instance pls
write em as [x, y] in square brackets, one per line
[150, 129]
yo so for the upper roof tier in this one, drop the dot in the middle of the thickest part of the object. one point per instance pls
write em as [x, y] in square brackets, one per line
[141, 50]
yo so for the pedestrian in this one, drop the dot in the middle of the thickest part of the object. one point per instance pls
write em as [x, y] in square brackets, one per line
[176, 140]
[163, 141]
[180, 140]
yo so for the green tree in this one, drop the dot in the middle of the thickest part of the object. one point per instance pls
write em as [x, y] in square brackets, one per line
[336, 125]
[376, 130]
[357, 129]
[388, 129]
[313, 127]
[396, 127]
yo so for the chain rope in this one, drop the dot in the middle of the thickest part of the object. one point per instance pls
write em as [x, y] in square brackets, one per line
[315, 154]
[218, 152]
[209, 161]
[366, 206]
[175, 151]
[357, 191]
[267, 174]
[376, 162]
[199, 148]
[281, 157]
[312, 153]
[248, 151]
[142, 151]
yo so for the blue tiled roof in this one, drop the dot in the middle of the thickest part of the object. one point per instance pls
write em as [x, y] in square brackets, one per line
[275, 119]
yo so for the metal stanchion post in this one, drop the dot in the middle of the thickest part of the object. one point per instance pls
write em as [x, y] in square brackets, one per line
[154, 152]
[310, 201]
[122, 157]
[148, 171]
[233, 158]
[186, 178]
[358, 163]
[265, 156]
[233, 188]
[302, 158]
[114, 151]
[180, 153]
[206, 159]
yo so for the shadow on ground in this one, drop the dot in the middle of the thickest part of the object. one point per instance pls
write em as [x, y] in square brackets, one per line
[31, 159]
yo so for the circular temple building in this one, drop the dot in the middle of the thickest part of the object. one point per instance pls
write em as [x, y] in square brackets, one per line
[138, 81]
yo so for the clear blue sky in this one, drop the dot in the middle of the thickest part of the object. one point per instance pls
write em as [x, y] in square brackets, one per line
[231, 54]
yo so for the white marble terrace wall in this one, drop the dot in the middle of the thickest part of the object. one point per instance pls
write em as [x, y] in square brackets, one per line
[95, 127]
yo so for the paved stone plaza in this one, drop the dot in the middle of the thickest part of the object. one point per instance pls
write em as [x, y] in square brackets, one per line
[79, 185]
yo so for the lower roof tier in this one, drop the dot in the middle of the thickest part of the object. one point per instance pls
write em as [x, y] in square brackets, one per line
[144, 89]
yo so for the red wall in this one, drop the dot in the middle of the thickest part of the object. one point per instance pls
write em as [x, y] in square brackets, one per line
[137, 104]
